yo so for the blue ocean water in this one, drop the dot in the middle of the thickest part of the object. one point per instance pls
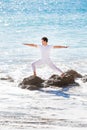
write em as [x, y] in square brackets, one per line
[64, 22]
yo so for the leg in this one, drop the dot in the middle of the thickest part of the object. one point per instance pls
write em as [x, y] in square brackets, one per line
[52, 66]
[36, 63]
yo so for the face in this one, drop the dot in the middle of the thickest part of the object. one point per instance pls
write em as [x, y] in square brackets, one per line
[44, 43]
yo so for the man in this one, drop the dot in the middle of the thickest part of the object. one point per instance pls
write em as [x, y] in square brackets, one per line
[45, 55]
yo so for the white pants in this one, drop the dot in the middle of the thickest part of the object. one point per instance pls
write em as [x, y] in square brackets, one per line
[47, 62]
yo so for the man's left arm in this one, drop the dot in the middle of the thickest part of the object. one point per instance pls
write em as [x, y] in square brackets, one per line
[60, 46]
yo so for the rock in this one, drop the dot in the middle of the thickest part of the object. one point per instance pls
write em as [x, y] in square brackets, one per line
[73, 73]
[67, 79]
[56, 80]
[31, 83]
[7, 78]
[35, 82]
[84, 79]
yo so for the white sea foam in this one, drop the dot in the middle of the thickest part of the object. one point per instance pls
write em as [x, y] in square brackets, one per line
[45, 109]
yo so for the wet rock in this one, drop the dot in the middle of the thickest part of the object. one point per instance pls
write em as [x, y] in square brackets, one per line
[67, 79]
[73, 73]
[35, 82]
[58, 81]
[31, 83]
[7, 78]
[84, 79]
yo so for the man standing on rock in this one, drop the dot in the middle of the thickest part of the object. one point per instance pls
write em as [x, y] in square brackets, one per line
[45, 55]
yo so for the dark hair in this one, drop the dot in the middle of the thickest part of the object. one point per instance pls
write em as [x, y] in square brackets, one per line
[45, 39]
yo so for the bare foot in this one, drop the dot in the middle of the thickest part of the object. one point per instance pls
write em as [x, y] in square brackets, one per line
[62, 75]
[35, 74]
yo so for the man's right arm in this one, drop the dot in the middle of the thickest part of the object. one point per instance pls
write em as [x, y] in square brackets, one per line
[32, 45]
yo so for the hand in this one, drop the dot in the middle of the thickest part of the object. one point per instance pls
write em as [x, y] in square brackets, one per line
[24, 43]
[66, 46]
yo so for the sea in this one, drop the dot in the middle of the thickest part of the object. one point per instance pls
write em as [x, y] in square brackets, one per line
[64, 22]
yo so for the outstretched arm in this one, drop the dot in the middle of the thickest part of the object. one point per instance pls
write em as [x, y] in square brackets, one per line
[32, 45]
[60, 46]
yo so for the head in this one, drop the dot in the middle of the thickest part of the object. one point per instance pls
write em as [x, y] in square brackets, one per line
[44, 41]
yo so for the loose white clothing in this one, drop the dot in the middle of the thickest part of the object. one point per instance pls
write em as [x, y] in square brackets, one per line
[45, 58]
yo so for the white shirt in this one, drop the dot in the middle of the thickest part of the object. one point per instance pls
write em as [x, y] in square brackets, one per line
[45, 51]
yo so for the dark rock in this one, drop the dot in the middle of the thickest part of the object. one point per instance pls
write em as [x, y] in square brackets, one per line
[56, 80]
[84, 79]
[32, 83]
[73, 73]
[67, 79]
[33, 87]
[35, 82]
[7, 78]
